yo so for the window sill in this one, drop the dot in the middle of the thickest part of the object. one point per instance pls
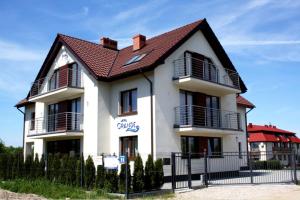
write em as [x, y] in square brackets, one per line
[127, 114]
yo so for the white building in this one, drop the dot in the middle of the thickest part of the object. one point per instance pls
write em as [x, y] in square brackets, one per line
[175, 92]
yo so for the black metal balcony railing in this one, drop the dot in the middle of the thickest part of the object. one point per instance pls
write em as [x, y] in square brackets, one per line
[62, 78]
[60, 122]
[282, 149]
[197, 116]
[203, 70]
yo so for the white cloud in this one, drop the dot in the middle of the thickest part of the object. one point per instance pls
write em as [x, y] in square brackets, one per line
[14, 51]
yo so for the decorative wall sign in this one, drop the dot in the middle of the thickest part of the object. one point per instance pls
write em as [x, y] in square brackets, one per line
[111, 162]
[128, 126]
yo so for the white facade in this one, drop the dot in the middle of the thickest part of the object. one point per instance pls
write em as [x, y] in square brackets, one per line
[100, 105]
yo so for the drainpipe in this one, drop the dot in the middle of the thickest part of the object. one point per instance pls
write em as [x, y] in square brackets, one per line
[151, 107]
[247, 135]
[23, 127]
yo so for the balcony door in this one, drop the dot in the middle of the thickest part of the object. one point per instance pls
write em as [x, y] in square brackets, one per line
[213, 112]
[52, 117]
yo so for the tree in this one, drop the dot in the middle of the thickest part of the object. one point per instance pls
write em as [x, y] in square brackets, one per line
[149, 174]
[71, 167]
[36, 167]
[89, 173]
[138, 175]
[41, 167]
[64, 171]
[2, 147]
[111, 180]
[28, 165]
[56, 166]
[159, 174]
[122, 178]
[79, 172]
[100, 177]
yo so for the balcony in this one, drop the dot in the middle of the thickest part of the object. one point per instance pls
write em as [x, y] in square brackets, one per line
[64, 124]
[196, 119]
[62, 84]
[201, 76]
[282, 149]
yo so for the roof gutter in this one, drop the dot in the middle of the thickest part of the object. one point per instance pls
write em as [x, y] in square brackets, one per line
[21, 111]
[151, 108]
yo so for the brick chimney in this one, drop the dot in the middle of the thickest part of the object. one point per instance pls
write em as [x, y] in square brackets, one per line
[109, 43]
[139, 41]
[250, 125]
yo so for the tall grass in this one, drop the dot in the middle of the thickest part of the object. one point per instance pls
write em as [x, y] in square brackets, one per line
[52, 190]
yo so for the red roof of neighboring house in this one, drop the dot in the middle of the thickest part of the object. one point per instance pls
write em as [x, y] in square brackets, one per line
[242, 101]
[107, 64]
[294, 139]
[267, 128]
[283, 138]
[262, 137]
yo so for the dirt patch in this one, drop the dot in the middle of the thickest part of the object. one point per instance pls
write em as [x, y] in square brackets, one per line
[245, 192]
[4, 194]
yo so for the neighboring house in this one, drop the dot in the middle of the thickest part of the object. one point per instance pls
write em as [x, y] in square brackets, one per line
[271, 143]
[175, 92]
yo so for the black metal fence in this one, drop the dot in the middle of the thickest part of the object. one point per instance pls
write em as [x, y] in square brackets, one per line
[200, 169]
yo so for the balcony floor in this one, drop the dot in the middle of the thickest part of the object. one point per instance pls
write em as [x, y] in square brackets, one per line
[210, 88]
[56, 135]
[204, 131]
[57, 95]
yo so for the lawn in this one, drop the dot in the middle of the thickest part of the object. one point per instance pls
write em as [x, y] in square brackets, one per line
[52, 190]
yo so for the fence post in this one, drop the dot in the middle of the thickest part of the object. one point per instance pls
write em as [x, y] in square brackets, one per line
[189, 170]
[205, 169]
[295, 167]
[173, 171]
[250, 166]
[126, 177]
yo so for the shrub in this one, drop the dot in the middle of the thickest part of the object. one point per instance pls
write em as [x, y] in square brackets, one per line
[149, 174]
[268, 164]
[100, 178]
[79, 172]
[89, 173]
[71, 171]
[35, 172]
[159, 174]
[49, 167]
[122, 178]
[56, 166]
[111, 180]
[15, 166]
[28, 165]
[138, 175]
[3, 165]
[64, 171]
[41, 167]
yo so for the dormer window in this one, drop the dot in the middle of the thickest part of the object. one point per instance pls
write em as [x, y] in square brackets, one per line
[136, 58]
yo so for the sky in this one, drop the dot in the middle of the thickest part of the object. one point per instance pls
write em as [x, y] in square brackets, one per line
[262, 39]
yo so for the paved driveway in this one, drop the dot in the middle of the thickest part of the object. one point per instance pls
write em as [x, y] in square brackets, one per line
[244, 192]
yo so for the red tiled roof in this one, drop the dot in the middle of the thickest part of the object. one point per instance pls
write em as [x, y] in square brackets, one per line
[22, 103]
[267, 128]
[107, 64]
[242, 101]
[283, 138]
[294, 139]
[262, 137]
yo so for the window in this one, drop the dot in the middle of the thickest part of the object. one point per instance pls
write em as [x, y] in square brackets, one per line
[54, 80]
[240, 150]
[129, 102]
[135, 58]
[197, 145]
[32, 121]
[129, 145]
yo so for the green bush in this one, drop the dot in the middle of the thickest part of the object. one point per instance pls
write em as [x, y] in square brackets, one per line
[100, 177]
[138, 175]
[89, 173]
[64, 171]
[149, 174]
[159, 174]
[35, 166]
[41, 167]
[56, 166]
[122, 178]
[71, 171]
[28, 165]
[3, 165]
[111, 181]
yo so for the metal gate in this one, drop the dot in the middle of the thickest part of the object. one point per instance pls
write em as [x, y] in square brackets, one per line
[199, 169]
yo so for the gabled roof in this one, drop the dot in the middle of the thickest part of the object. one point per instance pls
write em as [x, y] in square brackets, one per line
[242, 101]
[108, 65]
[251, 128]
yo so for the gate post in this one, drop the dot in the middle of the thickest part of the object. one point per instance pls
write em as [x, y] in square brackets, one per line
[189, 170]
[173, 171]
[295, 167]
[205, 169]
[250, 166]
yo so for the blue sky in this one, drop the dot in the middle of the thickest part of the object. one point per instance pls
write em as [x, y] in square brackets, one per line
[261, 37]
